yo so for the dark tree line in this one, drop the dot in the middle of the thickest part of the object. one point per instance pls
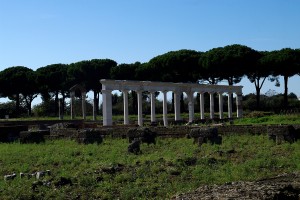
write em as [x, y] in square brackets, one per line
[230, 63]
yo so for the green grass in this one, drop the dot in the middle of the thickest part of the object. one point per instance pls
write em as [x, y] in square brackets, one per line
[269, 119]
[249, 118]
[162, 170]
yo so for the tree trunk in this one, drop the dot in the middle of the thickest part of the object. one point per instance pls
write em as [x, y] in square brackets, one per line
[18, 104]
[29, 108]
[63, 103]
[28, 102]
[285, 100]
[56, 103]
[95, 105]
[258, 87]
[257, 98]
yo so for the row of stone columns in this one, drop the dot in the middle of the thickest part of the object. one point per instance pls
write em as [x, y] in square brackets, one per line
[189, 88]
[108, 115]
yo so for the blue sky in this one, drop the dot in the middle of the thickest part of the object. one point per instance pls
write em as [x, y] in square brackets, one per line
[35, 33]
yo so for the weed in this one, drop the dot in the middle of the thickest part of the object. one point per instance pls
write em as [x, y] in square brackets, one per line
[171, 166]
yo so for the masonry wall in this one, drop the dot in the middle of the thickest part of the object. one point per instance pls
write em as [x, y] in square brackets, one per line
[10, 133]
[182, 131]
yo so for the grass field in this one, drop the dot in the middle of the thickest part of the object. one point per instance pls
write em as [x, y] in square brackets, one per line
[107, 171]
[249, 118]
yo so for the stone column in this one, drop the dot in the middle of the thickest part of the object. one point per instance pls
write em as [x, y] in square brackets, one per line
[229, 105]
[107, 107]
[125, 100]
[140, 108]
[152, 98]
[191, 106]
[212, 106]
[239, 106]
[83, 94]
[72, 96]
[202, 105]
[221, 105]
[177, 105]
[165, 108]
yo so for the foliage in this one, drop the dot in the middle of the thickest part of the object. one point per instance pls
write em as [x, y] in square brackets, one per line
[258, 74]
[125, 71]
[9, 108]
[47, 108]
[88, 73]
[230, 63]
[53, 79]
[44, 109]
[174, 66]
[286, 63]
[273, 103]
[19, 82]
[171, 166]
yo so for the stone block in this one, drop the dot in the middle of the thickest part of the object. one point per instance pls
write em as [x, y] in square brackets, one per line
[32, 136]
[89, 136]
[204, 135]
[145, 135]
[282, 133]
[11, 133]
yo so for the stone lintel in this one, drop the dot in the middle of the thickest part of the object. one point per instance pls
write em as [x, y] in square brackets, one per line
[108, 84]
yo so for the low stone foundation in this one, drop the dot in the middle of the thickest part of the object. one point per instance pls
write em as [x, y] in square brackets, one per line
[82, 136]
[174, 132]
[69, 131]
[10, 133]
[282, 133]
[204, 135]
[36, 136]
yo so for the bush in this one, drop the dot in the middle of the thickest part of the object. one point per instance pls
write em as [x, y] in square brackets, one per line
[9, 108]
[257, 114]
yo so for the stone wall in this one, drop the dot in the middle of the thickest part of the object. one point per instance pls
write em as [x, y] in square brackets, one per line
[10, 133]
[182, 131]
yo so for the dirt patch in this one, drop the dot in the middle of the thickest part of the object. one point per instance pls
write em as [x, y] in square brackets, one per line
[285, 186]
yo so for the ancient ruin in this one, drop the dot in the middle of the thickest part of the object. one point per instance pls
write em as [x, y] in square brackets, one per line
[178, 88]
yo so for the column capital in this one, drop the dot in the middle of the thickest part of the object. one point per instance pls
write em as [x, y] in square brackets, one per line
[152, 91]
[177, 91]
[138, 91]
[106, 91]
[72, 94]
